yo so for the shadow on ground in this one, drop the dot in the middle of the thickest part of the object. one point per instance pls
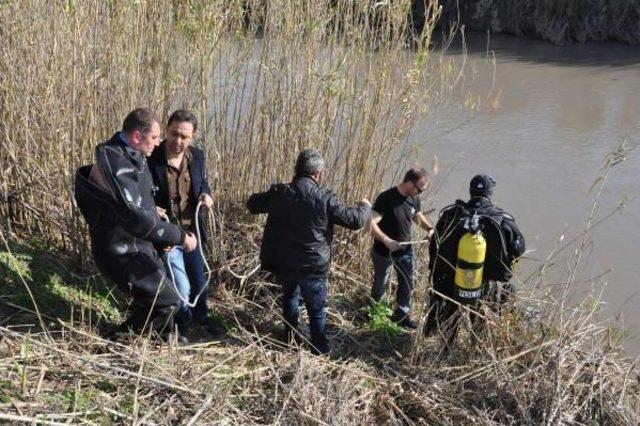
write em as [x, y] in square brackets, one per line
[34, 281]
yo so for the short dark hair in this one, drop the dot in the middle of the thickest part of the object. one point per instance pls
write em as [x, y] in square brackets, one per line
[414, 175]
[182, 115]
[140, 119]
[309, 162]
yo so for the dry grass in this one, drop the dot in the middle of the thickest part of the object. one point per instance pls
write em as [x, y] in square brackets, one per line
[334, 75]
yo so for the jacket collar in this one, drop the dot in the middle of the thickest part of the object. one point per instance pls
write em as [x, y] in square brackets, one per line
[135, 156]
[160, 165]
[162, 148]
[305, 179]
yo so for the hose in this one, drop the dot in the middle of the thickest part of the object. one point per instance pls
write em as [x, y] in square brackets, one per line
[208, 270]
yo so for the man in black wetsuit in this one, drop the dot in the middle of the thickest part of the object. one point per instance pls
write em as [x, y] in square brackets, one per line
[115, 195]
[504, 245]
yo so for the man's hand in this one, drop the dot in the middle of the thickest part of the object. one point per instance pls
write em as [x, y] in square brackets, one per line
[207, 200]
[190, 242]
[162, 213]
[366, 201]
[392, 245]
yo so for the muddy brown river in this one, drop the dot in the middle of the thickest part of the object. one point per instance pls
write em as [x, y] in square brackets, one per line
[544, 127]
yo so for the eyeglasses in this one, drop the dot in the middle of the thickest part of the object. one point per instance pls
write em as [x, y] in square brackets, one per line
[420, 190]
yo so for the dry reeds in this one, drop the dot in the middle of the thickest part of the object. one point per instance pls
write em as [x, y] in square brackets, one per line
[265, 79]
[524, 370]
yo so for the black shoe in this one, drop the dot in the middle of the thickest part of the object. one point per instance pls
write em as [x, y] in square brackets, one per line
[408, 323]
[403, 320]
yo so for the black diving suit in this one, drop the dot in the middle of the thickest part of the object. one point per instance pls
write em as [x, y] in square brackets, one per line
[115, 195]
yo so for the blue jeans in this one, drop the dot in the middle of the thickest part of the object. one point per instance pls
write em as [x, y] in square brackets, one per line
[403, 264]
[189, 277]
[314, 294]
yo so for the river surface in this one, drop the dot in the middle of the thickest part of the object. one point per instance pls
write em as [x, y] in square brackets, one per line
[547, 118]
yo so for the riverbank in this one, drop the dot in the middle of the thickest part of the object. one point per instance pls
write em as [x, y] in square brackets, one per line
[558, 22]
[542, 362]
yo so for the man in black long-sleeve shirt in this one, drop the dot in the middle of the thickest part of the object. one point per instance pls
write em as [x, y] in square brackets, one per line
[296, 245]
[115, 196]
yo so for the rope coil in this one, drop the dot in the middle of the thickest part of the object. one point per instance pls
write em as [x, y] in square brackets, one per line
[208, 270]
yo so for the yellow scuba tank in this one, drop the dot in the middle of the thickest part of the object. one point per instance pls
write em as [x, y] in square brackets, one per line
[472, 249]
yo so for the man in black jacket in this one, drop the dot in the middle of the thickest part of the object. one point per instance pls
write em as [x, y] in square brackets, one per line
[115, 197]
[504, 245]
[179, 172]
[296, 245]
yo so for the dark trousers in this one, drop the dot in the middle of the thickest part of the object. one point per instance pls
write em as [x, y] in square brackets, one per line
[444, 318]
[403, 265]
[314, 294]
[444, 314]
[194, 263]
[143, 276]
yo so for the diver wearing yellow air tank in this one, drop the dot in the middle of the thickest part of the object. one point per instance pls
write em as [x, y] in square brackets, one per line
[472, 251]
